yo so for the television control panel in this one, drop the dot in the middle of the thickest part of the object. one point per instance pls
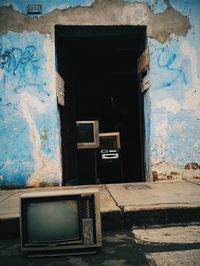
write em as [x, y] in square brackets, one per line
[109, 154]
[109, 163]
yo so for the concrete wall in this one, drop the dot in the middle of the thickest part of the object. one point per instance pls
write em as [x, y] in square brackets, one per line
[29, 129]
[175, 99]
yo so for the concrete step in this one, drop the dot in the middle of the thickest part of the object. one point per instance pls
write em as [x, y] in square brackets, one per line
[122, 205]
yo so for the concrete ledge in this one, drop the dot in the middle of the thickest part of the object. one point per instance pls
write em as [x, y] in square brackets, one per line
[161, 217]
[112, 221]
[118, 220]
[122, 205]
[9, 228]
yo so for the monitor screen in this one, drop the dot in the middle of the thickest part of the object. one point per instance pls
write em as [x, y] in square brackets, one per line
[109, 140]
[52, 220]
[85, 132]
[108, 143]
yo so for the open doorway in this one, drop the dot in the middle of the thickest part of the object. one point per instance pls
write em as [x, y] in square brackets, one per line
[99, 66]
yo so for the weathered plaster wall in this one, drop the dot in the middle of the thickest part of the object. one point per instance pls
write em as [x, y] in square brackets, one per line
[175, 100]
[101, 12]
[29, 128]
[47, 5]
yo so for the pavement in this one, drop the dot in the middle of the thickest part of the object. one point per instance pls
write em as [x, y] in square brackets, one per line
[126, 205]
[169, 246]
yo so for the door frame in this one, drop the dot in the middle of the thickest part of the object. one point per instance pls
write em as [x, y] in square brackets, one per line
[144, 98]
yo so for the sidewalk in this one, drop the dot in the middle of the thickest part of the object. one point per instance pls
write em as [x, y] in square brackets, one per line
[122, 205]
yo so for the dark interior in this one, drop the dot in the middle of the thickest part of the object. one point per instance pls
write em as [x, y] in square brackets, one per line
[99, 66]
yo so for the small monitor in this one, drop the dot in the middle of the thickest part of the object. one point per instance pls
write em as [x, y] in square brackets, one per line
[60, 222]
[87, 134]
[109, 141]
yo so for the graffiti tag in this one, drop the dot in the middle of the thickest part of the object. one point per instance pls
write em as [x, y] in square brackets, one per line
[12, 59]
[167, 64]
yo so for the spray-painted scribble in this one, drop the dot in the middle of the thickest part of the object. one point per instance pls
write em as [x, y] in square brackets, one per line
[29, 139]
[12, 59]
[166, 62]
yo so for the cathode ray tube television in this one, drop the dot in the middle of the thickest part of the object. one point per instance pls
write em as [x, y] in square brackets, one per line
[87, 134]
[110, 140]
[63, 222]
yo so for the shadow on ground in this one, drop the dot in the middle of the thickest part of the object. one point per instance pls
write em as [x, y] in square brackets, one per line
[119, 248]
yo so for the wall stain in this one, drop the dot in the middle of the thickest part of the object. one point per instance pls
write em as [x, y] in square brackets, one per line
[44, 167]
[101, 12]
[192, 95]
[44, 135]
[168, 171]
[193, 166]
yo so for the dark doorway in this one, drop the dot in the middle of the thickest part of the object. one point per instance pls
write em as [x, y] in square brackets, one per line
[99, 66]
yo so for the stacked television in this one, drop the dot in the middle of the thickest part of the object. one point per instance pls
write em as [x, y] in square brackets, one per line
[110, 161]
[87, 151]
[98, 154]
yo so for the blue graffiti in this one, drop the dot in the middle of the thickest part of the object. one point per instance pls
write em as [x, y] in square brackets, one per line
[15, 57]
[179, 73]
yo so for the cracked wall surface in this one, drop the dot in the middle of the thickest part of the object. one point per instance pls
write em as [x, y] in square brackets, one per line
[175, 101]
[101, 12]
[27, 110]
[29, 129]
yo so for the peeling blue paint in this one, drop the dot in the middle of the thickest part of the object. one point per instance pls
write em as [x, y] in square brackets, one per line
[28, 101]
[167, 64]
[15, 174]
[171, 67]
[23, 74]
[175, 128]
[47, 5]
[182, 137]
[191, 9]
[182, 140]
[51, 145]
[156, 6]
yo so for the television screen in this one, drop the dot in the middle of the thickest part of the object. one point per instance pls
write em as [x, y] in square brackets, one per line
[60, 220]
[52, 220]
[109, 141]
[87, 134]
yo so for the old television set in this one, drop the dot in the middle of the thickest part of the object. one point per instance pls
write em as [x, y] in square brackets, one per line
[87, 134]
[60, 222]
[110, 158]
[110, 145]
